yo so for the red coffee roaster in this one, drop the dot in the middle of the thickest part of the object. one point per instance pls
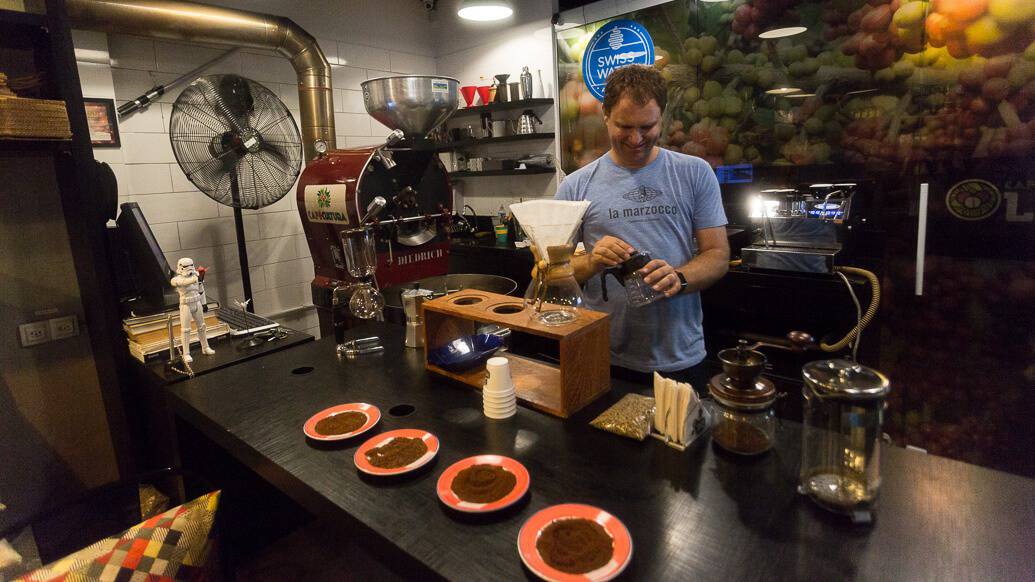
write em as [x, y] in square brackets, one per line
[337, 189]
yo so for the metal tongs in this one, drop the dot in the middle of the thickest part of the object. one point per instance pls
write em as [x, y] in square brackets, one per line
[356, 347]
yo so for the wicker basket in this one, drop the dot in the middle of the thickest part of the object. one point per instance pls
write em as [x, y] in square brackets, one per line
[33, 119]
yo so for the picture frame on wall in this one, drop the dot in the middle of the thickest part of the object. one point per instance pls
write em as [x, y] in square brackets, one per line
[103, 124]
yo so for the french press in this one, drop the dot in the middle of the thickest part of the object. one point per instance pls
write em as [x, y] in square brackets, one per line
[840, 455]
[637, 291]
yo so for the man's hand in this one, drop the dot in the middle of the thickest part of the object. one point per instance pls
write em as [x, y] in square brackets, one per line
[610, 251]
[662, 277]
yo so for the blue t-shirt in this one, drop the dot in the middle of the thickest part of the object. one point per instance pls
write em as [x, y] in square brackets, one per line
[656, 209]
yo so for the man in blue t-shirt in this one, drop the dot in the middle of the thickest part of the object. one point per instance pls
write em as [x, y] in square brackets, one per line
[646, 198]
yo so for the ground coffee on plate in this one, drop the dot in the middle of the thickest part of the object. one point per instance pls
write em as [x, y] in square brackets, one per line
[575, 546]
[398, 452]
[483, 483]
[342, 423]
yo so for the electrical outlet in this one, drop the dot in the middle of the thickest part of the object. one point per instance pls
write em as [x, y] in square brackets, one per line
[34, 333]
[62, 327]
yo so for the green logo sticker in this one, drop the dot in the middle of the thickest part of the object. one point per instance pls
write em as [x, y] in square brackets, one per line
[323, 198]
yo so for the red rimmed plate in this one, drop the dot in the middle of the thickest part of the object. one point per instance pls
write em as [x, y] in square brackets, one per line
[530, 532]
[445, 482]
[369, 410]
[363, 464]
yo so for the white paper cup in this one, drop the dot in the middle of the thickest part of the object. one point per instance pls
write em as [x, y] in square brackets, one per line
[500, 414]
[499, 405]
[498, 380]
[499, 399]
[500, 392]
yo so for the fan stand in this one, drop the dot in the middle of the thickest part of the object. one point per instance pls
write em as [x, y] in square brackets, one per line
[242, 249]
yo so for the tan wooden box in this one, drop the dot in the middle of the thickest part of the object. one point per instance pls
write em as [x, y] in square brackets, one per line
[584, 372]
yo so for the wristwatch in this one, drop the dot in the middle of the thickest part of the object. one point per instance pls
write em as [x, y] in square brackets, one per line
[682, 282]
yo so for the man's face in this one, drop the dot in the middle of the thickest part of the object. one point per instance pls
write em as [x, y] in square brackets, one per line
[634, 130]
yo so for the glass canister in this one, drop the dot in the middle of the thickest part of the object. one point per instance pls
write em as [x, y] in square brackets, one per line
[840, 454]
[745, 422]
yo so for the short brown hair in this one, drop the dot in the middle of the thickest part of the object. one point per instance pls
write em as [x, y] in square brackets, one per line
[641, 83]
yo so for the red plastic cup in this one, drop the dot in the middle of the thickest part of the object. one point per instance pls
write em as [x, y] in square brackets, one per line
[483, 92]
[468, 92]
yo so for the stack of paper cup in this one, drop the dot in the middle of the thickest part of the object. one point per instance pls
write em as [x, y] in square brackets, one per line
[498, 398]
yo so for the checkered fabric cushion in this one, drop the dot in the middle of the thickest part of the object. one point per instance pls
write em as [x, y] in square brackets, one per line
[172, 546]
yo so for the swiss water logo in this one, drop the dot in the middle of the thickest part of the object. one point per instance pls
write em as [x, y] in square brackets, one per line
[617, 44]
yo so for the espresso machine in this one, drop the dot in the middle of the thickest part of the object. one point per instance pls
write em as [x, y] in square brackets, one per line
[801, 229]
[377, 216]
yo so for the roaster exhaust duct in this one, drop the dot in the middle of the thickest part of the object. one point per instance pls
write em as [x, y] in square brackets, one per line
[186, 21]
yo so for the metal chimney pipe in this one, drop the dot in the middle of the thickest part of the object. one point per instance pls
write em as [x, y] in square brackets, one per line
[187, 21]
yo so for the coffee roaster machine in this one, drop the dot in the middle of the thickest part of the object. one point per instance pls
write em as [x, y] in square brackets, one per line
[398, 190]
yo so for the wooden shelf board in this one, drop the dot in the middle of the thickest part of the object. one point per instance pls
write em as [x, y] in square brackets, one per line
[521, 321]
[537, 384]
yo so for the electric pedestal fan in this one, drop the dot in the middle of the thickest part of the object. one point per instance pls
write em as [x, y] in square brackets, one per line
[238, 143]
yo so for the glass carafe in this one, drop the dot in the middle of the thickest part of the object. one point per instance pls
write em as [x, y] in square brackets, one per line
[554, 295]
[360, 246]
[843, 416]
[637, 291]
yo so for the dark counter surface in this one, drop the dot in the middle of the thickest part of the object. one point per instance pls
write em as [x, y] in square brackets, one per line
[486, 242]
[230, 350]
[701, 514]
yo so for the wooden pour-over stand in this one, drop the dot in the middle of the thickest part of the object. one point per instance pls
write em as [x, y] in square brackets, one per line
[584, 372]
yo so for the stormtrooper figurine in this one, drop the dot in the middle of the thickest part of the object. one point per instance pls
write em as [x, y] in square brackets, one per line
[188, 283]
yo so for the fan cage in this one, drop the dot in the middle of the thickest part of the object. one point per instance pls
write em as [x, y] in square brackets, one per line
[210, 129]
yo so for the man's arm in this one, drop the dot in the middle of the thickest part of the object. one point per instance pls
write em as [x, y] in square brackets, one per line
[707, 267]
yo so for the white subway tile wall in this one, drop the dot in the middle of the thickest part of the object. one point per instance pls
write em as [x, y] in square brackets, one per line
[184, 220]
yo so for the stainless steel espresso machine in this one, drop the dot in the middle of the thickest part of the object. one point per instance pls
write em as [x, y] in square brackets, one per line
[800, 229]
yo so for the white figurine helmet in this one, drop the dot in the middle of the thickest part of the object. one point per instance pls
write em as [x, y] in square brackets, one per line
[185, 267]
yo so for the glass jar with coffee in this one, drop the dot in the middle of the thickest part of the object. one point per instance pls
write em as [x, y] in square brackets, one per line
[745, 422]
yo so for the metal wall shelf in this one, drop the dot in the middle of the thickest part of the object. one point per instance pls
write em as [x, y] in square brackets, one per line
[466, 143]
[505, 106]
[502, 173]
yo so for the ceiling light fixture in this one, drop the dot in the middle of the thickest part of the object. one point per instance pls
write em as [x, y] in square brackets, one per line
[782, 32]
[484, 10]
[783, 91]
[801, 95]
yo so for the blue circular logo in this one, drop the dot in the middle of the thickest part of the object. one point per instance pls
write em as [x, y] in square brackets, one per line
[617, 44]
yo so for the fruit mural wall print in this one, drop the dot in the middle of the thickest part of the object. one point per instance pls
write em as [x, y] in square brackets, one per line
[886, 83]
[900, 92]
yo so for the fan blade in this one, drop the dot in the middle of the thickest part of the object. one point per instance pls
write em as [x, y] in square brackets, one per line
[205, 117]
[277, 152]
[218, 104]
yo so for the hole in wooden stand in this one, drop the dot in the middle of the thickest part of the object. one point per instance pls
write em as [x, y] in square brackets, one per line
[508, 308]
[468, 300]
[401, 409]
[302, 370]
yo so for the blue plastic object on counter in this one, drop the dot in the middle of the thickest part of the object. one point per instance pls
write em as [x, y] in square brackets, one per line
[465, 352]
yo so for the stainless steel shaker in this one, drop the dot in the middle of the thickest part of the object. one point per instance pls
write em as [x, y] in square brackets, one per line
[525, 91]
